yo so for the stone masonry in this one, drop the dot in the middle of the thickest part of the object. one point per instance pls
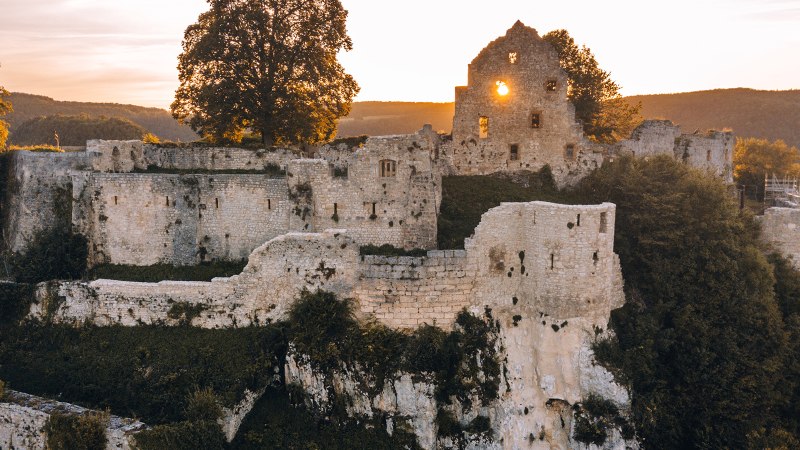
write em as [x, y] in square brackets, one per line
[781, 228]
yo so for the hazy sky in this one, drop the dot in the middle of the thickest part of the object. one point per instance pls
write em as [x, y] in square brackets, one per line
[125, 51]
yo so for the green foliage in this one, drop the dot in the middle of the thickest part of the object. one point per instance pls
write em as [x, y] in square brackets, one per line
[605, 115]
[203, 404]
[352, 141]
[466, 198]
[189, 435]
[446, 423]
[701, 341]
[390, 250]
[5, 108]
[74, 130]
[55, 254]
[278, 423]
[15, 301]
[144, 371]
[283, 78]
[186, 312]
[73, 432]
[755, 159]
[787, 285]
[159, 272]
[40, 148]
[595, 417]
[150, 138]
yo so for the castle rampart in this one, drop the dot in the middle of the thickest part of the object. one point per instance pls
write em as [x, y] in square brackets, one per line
[781, 228]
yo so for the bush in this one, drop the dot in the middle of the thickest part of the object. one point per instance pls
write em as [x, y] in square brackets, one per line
[190, 435]
[160, 272]
[56, 254]
[203, 405]
[390, 250]
[74, 432]
[15, 301]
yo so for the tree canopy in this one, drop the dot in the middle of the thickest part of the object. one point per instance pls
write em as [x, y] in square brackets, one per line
[267, 65]
[605, 115]
[753, 159]
[5, 108]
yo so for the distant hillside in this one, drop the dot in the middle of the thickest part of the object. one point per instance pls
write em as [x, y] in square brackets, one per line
[155, 120]
[74, 130]
[750, 113]
[382, 118]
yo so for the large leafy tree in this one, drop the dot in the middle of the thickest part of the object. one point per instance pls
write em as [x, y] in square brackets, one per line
[5, 108]
[267, 65]
[753, 159]
[605, 115]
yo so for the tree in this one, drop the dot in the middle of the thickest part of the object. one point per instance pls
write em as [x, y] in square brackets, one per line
[701, 338]
[605, 115]
[753, 159]
[267, 65]
[5, 108]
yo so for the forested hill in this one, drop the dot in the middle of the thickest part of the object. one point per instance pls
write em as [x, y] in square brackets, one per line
[750, 113]
[155, 120]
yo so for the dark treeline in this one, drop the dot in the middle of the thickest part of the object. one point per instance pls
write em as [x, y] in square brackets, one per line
[74, 130]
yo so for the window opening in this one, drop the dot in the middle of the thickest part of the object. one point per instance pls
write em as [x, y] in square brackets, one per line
[514, 152]
[579, 220]
[335, 208]
[536, 120]
[373, 209]
[708, 155]
[569, 151]
[603, 222]
[513, 57]
[552, 261]
[115, 199]
[483, 125]
[551, 85]
[168, 201]
[388, 168]
[269, 204]
[216, 202]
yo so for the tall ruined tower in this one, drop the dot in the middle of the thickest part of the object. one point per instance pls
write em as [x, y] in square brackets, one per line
[514, 113]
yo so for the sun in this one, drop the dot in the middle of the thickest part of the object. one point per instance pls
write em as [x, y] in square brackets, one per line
[502, 88]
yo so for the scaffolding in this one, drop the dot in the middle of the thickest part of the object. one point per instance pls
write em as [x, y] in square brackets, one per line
[781, 192]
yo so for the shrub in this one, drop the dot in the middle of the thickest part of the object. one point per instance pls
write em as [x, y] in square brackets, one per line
[390, 250]
[76, 432]
[190, 435]
[203, 404]
[160, 272]
[51, 254]
[15, 301]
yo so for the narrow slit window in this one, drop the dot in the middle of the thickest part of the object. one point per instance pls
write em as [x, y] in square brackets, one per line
[579, 220]
[167, 201]
[550, 85]
[115, 199]
[335, 208]
[708, 155]
[513, 153]
[483, 125]
[216, 202]
[569, 151]
[373, 209]
[269, 203]
[536, 120]
[388, 168]
[552, 261]
[603, 222]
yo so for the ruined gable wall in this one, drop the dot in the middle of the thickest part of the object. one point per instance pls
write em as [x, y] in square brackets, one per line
[781, 228]
[510, 117]
[37, 195]
[144, 219]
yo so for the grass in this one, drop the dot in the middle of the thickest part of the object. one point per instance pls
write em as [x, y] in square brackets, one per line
[161, 272]
[466, 198]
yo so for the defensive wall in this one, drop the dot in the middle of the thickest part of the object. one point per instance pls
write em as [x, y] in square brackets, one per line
[712, 151]
[528, 258]
[781, 228]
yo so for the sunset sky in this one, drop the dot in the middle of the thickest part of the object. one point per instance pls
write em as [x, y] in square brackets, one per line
[126, 51]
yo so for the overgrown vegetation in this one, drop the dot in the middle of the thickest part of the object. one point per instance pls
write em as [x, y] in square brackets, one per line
[466, 198]
[158, 272]
[41, 148]
[76, 432]
[390, 250]
[702, 340]
[15, 301]
[270, 170]
[186, 435]
[52, 254]
[595, 417]
[755, 159]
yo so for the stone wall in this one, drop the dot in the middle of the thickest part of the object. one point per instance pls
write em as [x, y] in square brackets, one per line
[23, 418]
[526, 259]
[37, 193]
[781, 228]
[712, 151]
[533, 125]
[145, 218]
